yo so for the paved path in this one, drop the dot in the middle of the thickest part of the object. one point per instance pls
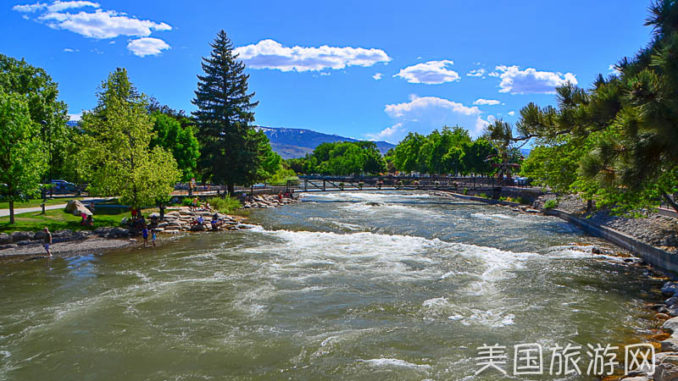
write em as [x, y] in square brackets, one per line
[5, 212]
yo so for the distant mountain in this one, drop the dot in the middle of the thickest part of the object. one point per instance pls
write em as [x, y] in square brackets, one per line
[296, 142]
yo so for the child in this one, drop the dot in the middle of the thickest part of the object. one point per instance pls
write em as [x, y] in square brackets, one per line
[153, 236]
[144, 233]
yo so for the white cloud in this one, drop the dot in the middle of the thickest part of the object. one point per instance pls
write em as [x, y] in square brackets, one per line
[531, 81]
[486, 102]
[430, 73]
[75, 117]
[476, 73]
[377, 76]
[612, 69]
[69, 50]
[387, 133]
[56, 6]
[424, 114]
[29, 8]
[270, 54]
[512, 113]
[147, 46]
[103, 24]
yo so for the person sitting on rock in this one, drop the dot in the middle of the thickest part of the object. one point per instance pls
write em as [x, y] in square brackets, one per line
[90, 220]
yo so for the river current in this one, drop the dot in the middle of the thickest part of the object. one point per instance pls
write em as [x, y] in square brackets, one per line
[366, 286]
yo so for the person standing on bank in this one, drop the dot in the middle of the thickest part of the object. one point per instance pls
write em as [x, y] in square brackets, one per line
[48, 241]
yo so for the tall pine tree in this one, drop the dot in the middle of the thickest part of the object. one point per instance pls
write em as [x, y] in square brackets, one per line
[230, 152]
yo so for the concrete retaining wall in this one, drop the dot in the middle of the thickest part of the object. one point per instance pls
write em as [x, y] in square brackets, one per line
[650, 254]
[659, 258]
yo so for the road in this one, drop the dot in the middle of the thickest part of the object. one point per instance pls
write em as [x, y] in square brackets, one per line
[5, 212]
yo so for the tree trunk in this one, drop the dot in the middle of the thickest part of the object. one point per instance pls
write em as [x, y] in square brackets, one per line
[231, 189]
[11, 211]
[670, 201]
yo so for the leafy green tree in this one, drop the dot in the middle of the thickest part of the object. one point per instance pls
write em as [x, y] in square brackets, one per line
[23, 157]
[230, 152]
[406, 155]
[477, 157]
[41, 96]
[178, 139]
[115, 157]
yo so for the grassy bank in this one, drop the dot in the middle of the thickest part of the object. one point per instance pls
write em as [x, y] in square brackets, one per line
[59, 220]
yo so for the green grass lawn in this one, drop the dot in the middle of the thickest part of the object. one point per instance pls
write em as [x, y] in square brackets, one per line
[58, 220]
[37, 202]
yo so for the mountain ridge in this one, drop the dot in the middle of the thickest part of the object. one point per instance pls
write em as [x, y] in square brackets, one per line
[297, 142]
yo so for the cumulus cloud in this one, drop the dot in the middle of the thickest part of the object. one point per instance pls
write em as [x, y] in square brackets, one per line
[486, 102]
[476, 73]
[103, 24]
[530, 80]
[270, 54]
[377, 76]
[56, 6]
[147, 46]
[99, 24]
[613, 70]
[424, 114]
[430, 73]
[512, 113]
[387, 133]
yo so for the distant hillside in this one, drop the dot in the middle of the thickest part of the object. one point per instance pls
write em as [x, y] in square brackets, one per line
[296, 142]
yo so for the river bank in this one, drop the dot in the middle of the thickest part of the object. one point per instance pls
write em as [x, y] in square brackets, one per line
[177, 220]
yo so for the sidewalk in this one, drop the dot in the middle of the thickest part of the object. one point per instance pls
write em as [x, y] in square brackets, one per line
[5, 212]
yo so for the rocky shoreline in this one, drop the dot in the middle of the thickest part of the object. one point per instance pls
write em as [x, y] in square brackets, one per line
[177, 220]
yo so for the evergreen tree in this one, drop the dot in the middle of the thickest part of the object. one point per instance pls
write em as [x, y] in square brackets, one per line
[230, 152]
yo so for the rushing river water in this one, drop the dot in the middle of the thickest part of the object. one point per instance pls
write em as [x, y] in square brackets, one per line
[341, 286]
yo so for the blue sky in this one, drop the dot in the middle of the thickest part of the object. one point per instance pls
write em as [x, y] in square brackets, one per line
[363, 69]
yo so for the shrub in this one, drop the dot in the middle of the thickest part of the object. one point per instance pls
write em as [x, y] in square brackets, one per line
[226, 205]
[550, 204]
[465, 191]
[187, 201]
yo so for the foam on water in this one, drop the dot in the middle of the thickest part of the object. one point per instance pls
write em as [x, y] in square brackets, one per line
[392, 362]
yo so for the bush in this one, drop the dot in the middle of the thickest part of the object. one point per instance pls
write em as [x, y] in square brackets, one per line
[225, 205]
[187, 201]
[465, 191]
[550, 204]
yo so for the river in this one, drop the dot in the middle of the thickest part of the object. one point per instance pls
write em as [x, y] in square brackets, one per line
[364, 286]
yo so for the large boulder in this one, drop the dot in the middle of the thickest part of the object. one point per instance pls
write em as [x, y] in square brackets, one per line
[5, 239]
[666, 369]
[118, 233]
[670, 288]
[671, 325]
[77, 208]
[21, 236]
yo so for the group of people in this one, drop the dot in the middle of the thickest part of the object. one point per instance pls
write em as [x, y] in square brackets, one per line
[195, 205]
[138, 223]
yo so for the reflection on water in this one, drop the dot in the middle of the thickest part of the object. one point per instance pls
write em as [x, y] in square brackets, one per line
[341, 286]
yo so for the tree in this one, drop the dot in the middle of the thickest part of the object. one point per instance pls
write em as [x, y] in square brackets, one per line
[477, 157]
[406, 154]
[627, 123]
[115, 157]
[22, 155]
[41, 97]
[230, 152]
[178, 139]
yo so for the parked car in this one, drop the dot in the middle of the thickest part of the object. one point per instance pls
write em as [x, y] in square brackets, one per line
[63, 186]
